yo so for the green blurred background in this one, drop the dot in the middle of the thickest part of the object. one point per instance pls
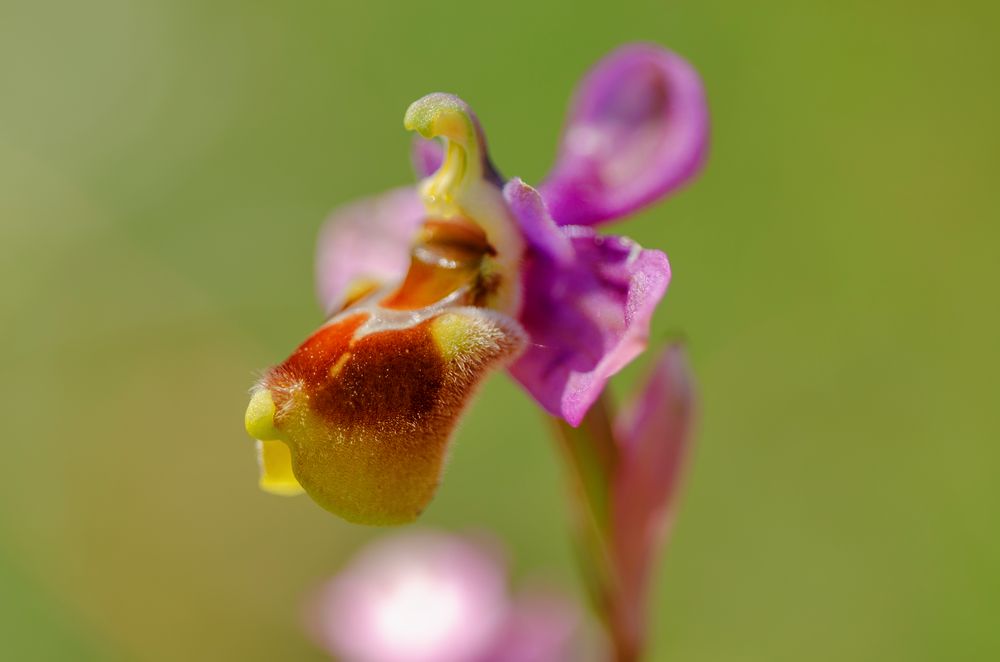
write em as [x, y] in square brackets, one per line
[164, 167]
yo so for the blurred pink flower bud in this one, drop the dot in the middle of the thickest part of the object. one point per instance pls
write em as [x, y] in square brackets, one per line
[431, 597]
[653, 436]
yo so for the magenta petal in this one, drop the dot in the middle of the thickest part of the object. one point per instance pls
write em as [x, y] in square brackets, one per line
[426, 156]
[653, 436]
[368, 239]
[539, 230]
[588, 303]
[637, 129]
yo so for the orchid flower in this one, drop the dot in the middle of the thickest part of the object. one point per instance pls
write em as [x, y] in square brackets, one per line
[429, 288]
[435, 597]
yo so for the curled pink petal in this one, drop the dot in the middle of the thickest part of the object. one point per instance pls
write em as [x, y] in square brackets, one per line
[653, 436]
[588, 306]
[420, 597]
[637, 129]
[367, 240]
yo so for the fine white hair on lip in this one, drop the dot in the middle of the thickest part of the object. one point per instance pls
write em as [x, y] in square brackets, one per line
[391, 319]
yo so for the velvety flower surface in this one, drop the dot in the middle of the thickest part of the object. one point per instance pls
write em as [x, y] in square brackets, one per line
[429, 288]
[432, 597]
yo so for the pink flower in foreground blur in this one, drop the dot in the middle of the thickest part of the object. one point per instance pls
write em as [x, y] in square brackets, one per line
[431, 287]
[430, 597]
